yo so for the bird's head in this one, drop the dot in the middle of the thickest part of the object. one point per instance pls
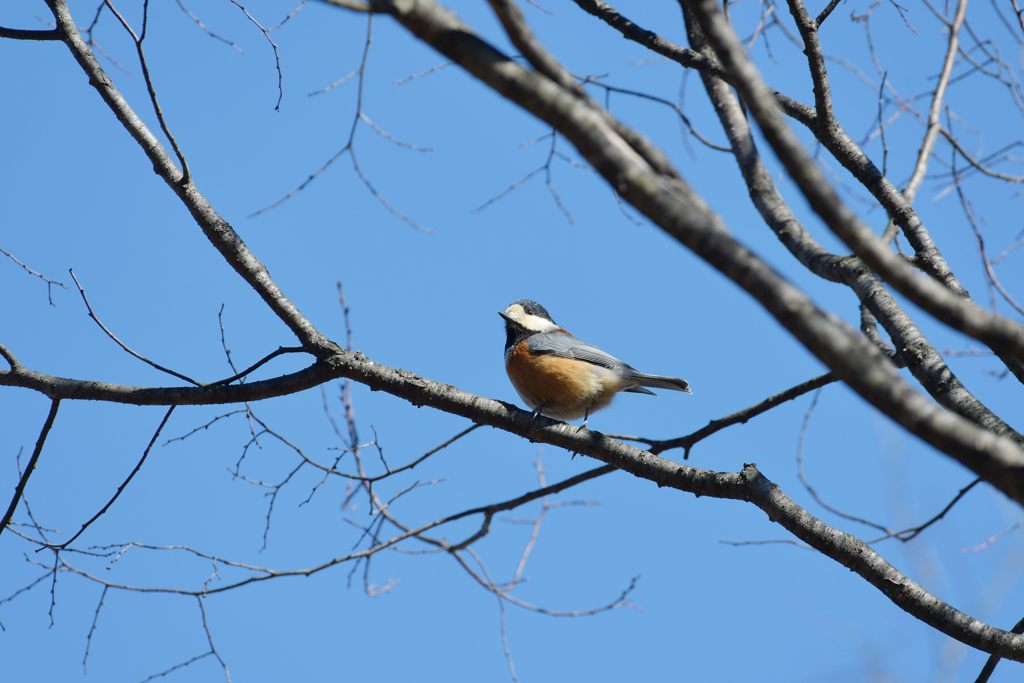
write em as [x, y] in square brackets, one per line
[527, 316]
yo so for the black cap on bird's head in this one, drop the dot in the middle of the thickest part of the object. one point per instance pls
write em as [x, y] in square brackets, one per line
[531, 307]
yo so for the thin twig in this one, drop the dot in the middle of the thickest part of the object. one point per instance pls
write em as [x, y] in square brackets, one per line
[907, 535]
[125, 347]
[739, 417]
[801, 440]
[990, 665]
[209, 639]
[273, 46]
[206, 29]
[92, 630]
[49, 283]
[33, 460]
[121, 488]
[138, 39]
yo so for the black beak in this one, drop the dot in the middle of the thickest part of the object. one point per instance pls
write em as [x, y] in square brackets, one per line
[504, 315]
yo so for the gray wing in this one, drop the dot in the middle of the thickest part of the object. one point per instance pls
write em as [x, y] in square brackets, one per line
[567, 346]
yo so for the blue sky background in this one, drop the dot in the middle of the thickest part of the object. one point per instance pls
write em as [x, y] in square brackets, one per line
[78, 193]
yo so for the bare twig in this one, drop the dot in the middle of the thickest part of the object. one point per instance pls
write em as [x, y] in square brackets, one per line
[935, 109]
[990, 272]
[216, 229]
[92, 630]
[121, 488]
[138, 39]
[991, 540]
[423, 74]
[907, 535]
[206, 29]
[990, 665]
[739, 417]
[273, 46]
[978, 165]
[801, 440]
[209, 639]
[127, 349]
[19, 489]
[49, 283]
[544, 168]
[350, 149]
[288, 17]
[683, 118]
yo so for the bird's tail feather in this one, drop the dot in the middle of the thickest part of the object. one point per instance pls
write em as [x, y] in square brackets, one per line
[662, 382]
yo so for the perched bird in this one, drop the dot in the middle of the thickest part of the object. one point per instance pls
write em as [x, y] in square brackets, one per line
[562, 377]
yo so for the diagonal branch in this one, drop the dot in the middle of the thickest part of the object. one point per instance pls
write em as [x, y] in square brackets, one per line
[138, 39]
[840, 146]
[683, 56]
[741, 416]
[214, 226]
[120, 489]
[19, 490]
[49, 283]
[664, 198]
[113, 337]
[922, 358]
[672, 205]
[934, 127]
[958, 312]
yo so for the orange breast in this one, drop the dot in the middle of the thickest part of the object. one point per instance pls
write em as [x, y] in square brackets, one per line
[566, 388]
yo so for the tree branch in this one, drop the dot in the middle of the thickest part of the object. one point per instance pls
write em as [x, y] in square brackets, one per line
[120, 489]
[741, 416]
[923, 359]
[217, 230]
[933, 125]
[30, 34]
[19, 490]
[956, 311]
[682, 55]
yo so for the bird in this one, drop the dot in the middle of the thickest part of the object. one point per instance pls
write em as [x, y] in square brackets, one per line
[562, 377]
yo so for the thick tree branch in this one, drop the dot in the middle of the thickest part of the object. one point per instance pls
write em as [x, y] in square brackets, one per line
[929, 257]
[213, 394]
[748, 485]
[673, 206]
[617, 153]
[514, 23]
[956, 311]
[922, 358]
[832, 136]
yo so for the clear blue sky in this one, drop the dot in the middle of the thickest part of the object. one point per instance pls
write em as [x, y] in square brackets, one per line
[78, 193]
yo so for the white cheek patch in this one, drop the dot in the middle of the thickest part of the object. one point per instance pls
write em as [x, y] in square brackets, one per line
[534, 323]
